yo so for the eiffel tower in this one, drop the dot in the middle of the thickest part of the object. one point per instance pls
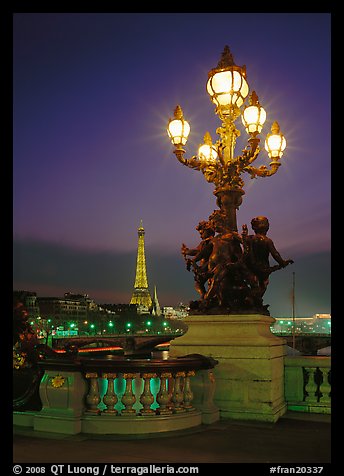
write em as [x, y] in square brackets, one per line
[141, 294]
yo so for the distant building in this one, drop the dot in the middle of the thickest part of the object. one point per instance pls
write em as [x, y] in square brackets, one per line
[29, 299]
[316, 324]
[179, 312]
[91, 304]
[321, 316]
[63, 310]
[119, 309]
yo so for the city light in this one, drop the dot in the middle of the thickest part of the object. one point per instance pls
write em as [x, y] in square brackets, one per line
[304, 326]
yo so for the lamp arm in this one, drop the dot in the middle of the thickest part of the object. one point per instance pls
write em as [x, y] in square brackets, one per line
[212, 173]
[252, 150]
[262, 171]
[249, 155]
[253, 155]
[192, 163]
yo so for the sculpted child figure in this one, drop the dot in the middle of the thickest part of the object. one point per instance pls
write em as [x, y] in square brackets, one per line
[257, 249]
[200, 254]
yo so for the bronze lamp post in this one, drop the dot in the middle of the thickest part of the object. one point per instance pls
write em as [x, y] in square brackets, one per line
[230, 265]
[228, 90]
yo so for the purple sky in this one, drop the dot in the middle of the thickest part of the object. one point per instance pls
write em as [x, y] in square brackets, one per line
[92, 94]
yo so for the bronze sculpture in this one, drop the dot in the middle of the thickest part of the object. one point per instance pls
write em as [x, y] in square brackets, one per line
[233, 271]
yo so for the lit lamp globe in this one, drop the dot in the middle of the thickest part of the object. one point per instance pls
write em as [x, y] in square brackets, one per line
[178, 129]
[275, 142]
[207, 152]
[253, 116]
[227, 85]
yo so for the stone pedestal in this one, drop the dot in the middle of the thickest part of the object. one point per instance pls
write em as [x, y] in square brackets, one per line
[250, 372]
[62, 394]
[203, 387]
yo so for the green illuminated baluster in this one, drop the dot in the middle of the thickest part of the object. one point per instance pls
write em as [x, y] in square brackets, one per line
[311, 386]
[128, 398]
[163, 397]
[188, 395]
[147, 397]
[93, 396]
[177, 397]
[325, 387]
[110, 398]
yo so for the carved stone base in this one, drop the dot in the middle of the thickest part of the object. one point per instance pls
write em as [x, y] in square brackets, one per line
[250, 373]
[62, 395]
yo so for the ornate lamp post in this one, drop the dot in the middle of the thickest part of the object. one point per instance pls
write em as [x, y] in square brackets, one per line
[228, 89]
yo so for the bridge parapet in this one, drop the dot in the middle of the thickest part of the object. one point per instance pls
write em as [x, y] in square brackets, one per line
[125, 396]
[307, 381]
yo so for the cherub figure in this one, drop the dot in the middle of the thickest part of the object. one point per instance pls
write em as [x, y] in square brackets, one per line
[223, 261]
[257, 249]
[201, 256]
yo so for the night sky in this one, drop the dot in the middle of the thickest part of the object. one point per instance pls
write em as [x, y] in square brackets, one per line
[92, 95]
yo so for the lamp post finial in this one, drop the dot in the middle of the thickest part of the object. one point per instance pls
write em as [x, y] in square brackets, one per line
[226, 59]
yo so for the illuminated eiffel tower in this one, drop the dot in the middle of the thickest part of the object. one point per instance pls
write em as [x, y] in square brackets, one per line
[141, 294]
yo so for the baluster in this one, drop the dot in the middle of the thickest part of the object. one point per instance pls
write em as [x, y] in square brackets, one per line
[110, 398]
[188, 395]
[147, 397]
[128, 398]
[325, 387]
[311, 387]
[170, 389]
[177, 397]
[163, 397]
[93, 396]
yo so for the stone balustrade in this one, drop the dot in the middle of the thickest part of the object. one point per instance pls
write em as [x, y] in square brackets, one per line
[139, 393]
[124, 396]
[119, 395]
[307, 381]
